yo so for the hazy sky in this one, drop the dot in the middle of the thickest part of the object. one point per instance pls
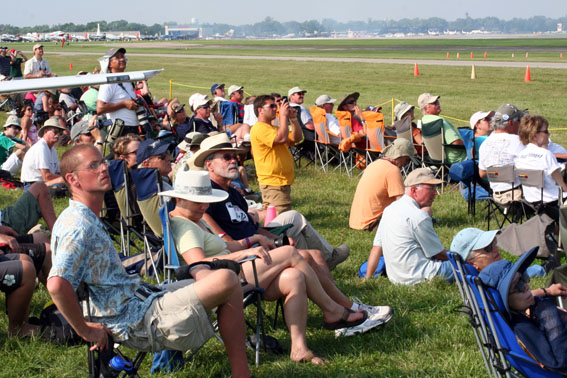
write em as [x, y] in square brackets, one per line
[34, 12]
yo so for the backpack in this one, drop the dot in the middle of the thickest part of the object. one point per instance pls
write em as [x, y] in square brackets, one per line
[55, 328]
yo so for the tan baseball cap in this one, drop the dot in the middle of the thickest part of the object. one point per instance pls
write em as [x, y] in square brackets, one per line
[399, 148]
[421, 176]
[426, 98]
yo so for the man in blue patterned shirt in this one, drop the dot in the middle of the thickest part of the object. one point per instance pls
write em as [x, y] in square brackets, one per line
[175, 318]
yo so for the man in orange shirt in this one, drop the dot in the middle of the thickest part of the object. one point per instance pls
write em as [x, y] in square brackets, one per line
[274, 163]
[380, 185]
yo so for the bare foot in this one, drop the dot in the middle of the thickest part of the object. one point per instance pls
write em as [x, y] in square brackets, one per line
[309, 357]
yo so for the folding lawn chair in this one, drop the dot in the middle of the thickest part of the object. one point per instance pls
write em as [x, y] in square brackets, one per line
[404, 131]
[433, 140]
[510, 359]
[325, 151]
[511, 212]
[374, 135]
[253, 296]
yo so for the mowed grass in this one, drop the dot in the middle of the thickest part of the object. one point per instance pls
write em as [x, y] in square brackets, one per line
[426, 337]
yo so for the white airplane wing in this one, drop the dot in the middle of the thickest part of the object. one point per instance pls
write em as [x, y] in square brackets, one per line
[14, 86]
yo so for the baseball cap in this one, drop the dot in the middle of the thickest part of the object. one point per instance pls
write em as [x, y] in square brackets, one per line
[421, 176]
[478, 116]
[105, 59]
[295, 90]
[426, 98]
[37, 46]
[177, 107]
[471, 239]
[401, 109]
[215, 86]
[234, 88]
[325, 99]
[149, 148]
[508, 112]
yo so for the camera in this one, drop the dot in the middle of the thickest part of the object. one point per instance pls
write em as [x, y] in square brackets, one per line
[102, 122]
[142, 115]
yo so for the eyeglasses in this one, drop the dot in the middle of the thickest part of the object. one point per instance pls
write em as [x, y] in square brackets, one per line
[228, 157]
[272, 106]
[546, 131]
[56, 131]
[94, 166]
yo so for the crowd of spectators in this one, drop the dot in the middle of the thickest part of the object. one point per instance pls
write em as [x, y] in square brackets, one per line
[199, 149]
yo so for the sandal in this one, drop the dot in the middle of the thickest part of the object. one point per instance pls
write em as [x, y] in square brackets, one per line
[312, 358]
[343, 322]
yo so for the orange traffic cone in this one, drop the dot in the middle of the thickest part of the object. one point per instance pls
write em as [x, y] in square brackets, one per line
[472, 55]
[448, 55]
[527, 76]
[485, 55]
[458, 55]
[473, 72]
[70, 66]
[415, 70]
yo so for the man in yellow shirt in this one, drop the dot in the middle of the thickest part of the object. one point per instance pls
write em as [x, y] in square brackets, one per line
[274, 163]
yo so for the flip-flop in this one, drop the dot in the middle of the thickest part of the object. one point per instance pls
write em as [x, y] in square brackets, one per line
[343, 322]
[312, 358]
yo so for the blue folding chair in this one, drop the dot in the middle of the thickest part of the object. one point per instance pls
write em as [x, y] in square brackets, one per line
[510, 360]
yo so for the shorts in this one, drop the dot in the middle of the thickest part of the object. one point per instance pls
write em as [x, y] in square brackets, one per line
[23, 215]
[35, 251]
[174, 321]
[10, 273]
[12, 164]
[278, 196]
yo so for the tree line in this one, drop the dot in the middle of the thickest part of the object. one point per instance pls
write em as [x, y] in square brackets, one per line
[271, 27]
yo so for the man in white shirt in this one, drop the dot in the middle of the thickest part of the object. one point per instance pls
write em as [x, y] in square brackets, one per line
[117, 100]
[296, 96]
[411, 248]
[41, 162]
[37, 67]
[500, 149]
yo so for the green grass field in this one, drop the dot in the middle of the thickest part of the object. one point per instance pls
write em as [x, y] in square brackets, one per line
[426, 337]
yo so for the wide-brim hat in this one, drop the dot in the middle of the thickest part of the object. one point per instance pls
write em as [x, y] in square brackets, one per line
[192, 139]
[421, 176]
[13, 120]
[471, 239]
[295, 90]
[500, 274]
[51, 122]
[401, 109]
[81, 127]
[399, 148]
[234, 88]
[347, 98]
[195, 186]
[325, 99]
[211, 145]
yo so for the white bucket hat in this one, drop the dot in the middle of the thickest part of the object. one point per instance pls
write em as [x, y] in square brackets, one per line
[195, 186]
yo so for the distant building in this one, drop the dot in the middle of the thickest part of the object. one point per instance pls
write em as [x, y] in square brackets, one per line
[183, 32]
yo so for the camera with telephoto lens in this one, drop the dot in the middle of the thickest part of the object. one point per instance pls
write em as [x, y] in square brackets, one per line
[114, 131]
[142, 115]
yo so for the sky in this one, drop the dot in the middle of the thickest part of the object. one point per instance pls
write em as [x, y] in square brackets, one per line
[233, 12]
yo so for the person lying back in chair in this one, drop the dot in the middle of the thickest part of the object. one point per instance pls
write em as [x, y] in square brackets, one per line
[479, 249]
[539, 325]
[136, 314]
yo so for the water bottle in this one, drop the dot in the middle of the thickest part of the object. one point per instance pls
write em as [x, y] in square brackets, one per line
[117, 365]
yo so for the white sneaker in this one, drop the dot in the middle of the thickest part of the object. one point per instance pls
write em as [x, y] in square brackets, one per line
[366, 326]
[377, 313]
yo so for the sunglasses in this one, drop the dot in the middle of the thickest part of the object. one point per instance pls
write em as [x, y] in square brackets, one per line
[351, 102]
[56, 131]
[524, 280]
[204, 107]
[272, 106]
[228, 157]
[487, 119]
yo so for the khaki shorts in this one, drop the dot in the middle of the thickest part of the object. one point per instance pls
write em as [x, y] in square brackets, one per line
[175, 321]
[278, 196]
[506, 196]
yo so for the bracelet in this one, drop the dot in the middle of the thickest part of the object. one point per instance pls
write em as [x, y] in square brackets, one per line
[248, 242]
[545, 294]
[221, 235]
[98, 143]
